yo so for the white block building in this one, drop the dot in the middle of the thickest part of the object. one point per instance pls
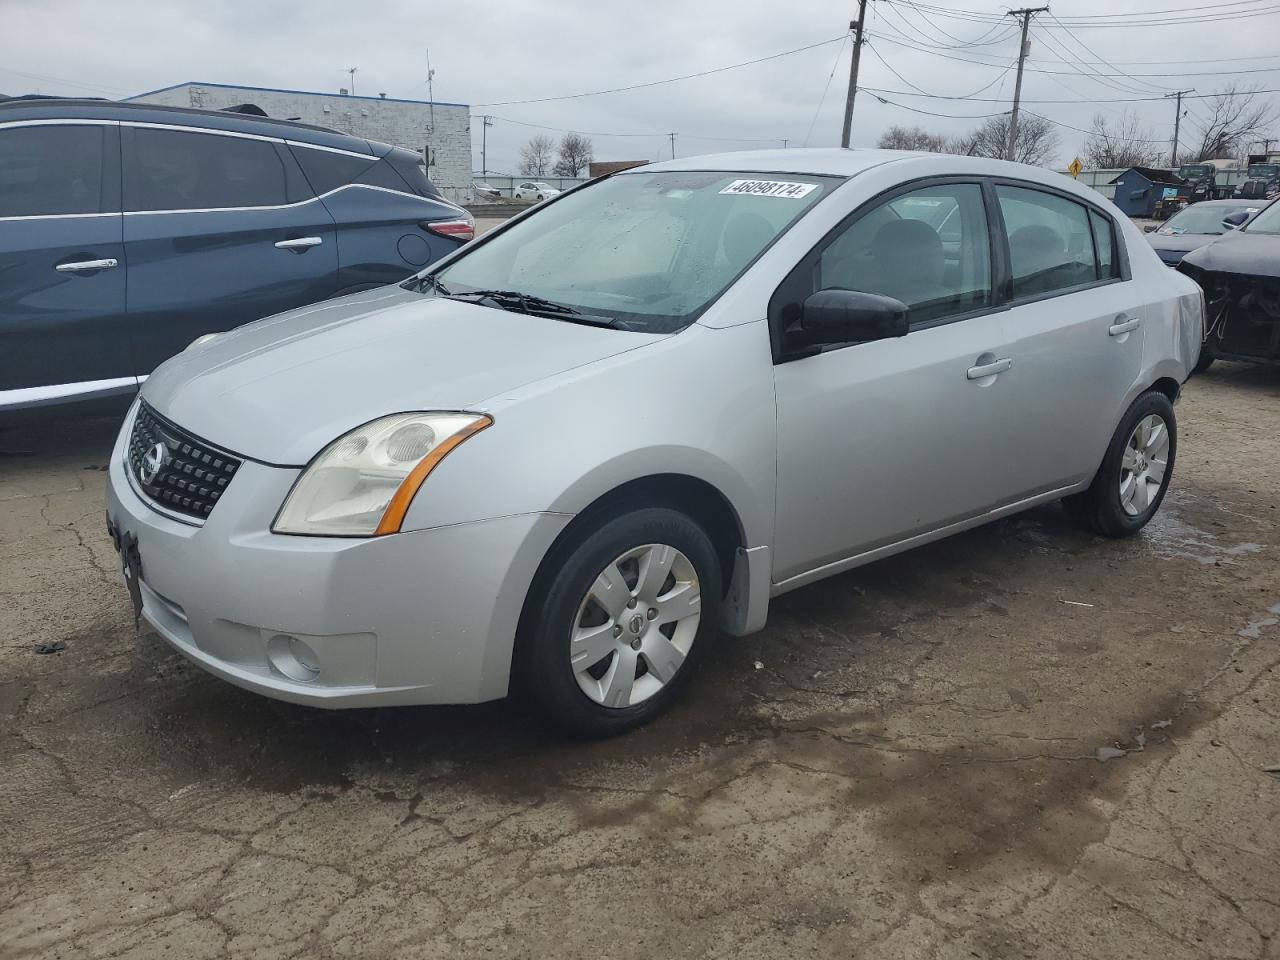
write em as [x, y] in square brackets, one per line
[412, 124]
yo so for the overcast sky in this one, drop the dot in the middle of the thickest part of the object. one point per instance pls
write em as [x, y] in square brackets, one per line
[488, 52]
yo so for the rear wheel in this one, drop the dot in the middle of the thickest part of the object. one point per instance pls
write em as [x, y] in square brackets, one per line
[615, 627]
[1205, 361]
[1135, 473]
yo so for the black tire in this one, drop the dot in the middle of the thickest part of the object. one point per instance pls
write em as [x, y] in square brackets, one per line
[1205, 361]
[542, 668]
[1099, 508]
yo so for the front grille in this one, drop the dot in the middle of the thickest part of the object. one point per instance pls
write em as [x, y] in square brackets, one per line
[188, 477]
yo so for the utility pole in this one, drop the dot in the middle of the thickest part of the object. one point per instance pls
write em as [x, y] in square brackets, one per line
[673, 145]
[485, 123]
[431, 98]
[1177, 123]
[784, 143]
[352, 71]
[1025, 13]
[856, 27]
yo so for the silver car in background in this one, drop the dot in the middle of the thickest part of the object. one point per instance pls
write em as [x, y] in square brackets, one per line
[568, 456]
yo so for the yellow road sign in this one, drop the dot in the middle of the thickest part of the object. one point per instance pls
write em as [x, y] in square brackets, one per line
[1074, 167]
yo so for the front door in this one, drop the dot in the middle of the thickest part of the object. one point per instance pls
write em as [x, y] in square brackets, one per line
[63, 331]
[219, 231]
[884, 440]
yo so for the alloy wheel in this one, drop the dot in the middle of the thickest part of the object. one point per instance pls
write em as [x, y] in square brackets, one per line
[1143, 465]
[635, 626]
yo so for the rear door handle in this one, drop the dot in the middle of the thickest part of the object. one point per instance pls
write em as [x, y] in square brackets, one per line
[78, 265]
[299, 243]
[989, 369]
[1124, 325]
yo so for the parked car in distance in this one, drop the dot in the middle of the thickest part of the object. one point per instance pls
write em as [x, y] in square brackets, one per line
[1240, 276]
[128, 230]
[567, 456]
[486, 190]
[1196, 225]
[534, 190]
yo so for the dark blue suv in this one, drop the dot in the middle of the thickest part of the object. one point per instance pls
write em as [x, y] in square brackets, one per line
[128, 230]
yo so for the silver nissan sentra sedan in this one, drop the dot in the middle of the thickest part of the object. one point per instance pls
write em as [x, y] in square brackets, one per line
[571, 454]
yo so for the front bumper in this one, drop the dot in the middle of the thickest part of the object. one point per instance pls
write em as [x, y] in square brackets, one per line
[427, 616]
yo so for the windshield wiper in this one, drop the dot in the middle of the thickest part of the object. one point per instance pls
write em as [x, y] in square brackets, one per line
[539, 306]
[426, 282]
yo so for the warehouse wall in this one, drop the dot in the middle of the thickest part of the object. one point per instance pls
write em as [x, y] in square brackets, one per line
[403, 123]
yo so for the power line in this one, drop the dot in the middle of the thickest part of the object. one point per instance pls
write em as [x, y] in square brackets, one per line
[656, 83]
[1117, 20]
[968, 96]
[929, 113]
[938, 96]
[822, 99]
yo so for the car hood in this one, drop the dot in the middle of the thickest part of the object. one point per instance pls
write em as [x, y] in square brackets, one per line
[280, 389]
[1257, 254]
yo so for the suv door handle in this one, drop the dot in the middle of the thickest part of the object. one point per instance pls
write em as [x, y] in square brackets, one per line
[989, 369]
[1124, 325]
[299, 243]
[78, 265]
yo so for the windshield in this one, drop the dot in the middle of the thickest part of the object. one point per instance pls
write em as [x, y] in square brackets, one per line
[1268, 221]
[1202, 219]
[652, 250]
[1263, 171]
[1191, 172]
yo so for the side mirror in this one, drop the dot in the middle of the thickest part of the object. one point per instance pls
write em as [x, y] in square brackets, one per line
[1149, 228]
[1234, 221]
[850, 316]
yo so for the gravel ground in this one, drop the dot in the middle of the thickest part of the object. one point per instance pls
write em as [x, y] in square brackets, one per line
[903, 764]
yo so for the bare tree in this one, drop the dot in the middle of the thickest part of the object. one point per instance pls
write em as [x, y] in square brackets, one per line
[535, 156]
[1036, 142]
[1234, 117]
[912, 138]
[1123, 142]
[575, 155]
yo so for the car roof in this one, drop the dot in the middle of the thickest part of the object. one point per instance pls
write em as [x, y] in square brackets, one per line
[1228, 202]
[58, 109]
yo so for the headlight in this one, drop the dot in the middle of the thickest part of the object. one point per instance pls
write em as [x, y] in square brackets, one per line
[361, 485]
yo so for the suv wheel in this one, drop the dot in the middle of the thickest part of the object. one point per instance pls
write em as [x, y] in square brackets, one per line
[1135, 473]
[616, 626]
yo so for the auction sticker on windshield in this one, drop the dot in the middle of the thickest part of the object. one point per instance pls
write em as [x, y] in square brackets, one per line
[771, 188]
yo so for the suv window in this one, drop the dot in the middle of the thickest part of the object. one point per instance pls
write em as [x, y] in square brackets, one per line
[928, 248]
[327, 170]
[1050, 241]
[51, 170]
[177, 170]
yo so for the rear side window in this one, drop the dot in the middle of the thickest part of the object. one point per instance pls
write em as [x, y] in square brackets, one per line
[177, 170]
[51, 170]
[327, 170]
[1104, 239]
[1050, 241]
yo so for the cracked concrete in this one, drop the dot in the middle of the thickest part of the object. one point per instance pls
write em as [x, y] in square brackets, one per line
[911, 772]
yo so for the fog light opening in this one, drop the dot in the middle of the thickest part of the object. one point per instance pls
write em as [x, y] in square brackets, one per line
[293, 658]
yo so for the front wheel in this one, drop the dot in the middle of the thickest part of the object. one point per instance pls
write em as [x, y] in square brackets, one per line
[614, 627]
[1135, 473]
[1205, 361]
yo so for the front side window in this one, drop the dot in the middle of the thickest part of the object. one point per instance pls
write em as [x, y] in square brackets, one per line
[51, 170]
[928, 248]
[177, 170]
[649, 249]
[1050, 241]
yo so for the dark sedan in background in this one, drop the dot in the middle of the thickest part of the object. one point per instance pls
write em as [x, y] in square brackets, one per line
[129, 230]
[1197, 225]
[1240, 276]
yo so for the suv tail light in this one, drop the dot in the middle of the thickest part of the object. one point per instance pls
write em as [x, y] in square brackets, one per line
[461, 230]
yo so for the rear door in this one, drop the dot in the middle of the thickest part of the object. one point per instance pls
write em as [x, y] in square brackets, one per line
[220, 229]
[382, 220]
[63, 331]
[1076, 320]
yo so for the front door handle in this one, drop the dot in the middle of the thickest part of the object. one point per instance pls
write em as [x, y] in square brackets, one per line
[78, 265]
[1124, 325]
[989, 369]
[299, 244]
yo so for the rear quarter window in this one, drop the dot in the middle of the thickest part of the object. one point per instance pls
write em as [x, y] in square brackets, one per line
[326, 170]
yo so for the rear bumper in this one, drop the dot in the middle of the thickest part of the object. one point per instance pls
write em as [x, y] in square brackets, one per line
[421, 617]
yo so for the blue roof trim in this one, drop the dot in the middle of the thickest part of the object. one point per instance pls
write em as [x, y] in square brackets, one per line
[308, 93]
